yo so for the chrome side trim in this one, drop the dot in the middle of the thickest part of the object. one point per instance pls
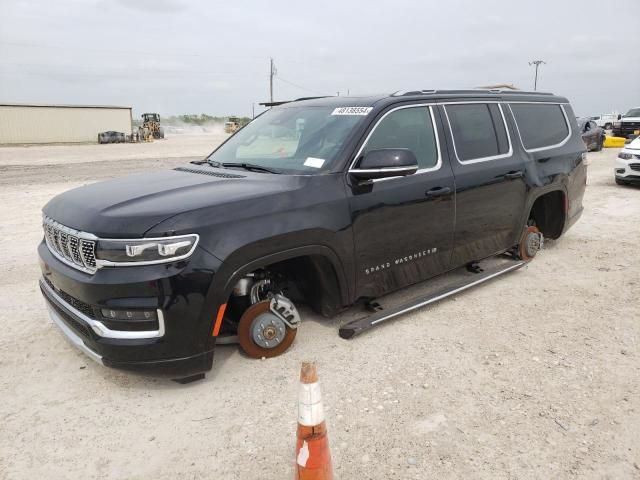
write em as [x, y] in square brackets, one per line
[480, 159]
[420, 170]
[74, 339]
[100, 328]
[540, 149]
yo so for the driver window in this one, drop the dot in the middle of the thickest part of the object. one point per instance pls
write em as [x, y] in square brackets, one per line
[409, 128]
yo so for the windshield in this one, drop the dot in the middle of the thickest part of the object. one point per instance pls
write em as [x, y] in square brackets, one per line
[634, 112]
[289, 140]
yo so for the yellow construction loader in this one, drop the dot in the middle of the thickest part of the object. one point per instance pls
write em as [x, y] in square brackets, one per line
[150, 127]
[232, 125]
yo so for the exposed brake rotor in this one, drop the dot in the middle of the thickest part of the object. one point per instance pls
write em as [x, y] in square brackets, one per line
[531, 243]
[265, 333]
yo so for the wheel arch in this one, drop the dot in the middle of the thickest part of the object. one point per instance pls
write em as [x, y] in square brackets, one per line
[321, 261]
[549, 209]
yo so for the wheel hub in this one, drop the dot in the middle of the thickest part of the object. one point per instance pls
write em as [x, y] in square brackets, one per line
[267, 330]
[533, 243]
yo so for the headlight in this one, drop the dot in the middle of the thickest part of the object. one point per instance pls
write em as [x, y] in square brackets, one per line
[144, 251]
[625, 156]
[617, 124]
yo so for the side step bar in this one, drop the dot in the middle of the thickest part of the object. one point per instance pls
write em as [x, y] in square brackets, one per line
[358, 326]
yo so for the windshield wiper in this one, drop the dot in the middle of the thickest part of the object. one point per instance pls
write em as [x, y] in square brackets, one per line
[250, 166]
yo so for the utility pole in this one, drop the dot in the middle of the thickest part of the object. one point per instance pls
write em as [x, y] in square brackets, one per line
[272, 72]
[537, 63]
[253, 111]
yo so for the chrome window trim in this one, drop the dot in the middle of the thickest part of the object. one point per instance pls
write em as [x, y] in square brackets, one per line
[100, 328]
[438, 164]
[471, 161]
[540, 149]
[380, 170]
[108, 263]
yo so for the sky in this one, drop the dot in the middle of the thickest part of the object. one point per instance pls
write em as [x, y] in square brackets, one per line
[198, 56]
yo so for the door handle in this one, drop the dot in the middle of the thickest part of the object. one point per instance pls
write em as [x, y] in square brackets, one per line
[514, 175]
[438, 192]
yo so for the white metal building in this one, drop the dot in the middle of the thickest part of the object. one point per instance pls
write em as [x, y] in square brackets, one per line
[23, 123]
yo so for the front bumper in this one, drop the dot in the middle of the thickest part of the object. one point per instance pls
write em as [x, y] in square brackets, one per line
[628, 170]
[179, 346]
[625, 131]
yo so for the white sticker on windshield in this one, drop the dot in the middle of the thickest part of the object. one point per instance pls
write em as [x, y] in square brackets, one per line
[314, 162]
[352, 111]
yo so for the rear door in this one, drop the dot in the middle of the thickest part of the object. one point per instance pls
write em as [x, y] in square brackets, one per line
[489, 177]
[403, 226]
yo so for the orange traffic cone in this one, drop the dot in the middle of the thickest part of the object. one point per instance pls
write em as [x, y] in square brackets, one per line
[313, 458]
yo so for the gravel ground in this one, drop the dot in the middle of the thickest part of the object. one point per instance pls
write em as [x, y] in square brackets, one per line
[535, 375]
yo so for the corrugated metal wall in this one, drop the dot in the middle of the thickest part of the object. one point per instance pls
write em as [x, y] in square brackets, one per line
[44, 124]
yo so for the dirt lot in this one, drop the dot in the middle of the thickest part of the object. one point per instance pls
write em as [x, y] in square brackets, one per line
[535, 375]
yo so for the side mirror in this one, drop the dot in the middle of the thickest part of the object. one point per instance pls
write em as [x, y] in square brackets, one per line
[619, 116]
[385, 163]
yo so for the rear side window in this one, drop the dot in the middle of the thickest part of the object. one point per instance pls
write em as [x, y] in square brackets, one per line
[410, 128]
[540, 125]
[478, 130]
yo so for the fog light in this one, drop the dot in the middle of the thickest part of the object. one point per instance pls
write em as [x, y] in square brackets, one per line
[129, 315]
[619, 170]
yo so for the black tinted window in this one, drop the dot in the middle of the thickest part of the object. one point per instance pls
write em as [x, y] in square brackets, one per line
[478, 130]
[410, 128]
[540, 125]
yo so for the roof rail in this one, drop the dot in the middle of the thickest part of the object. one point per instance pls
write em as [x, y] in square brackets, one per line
[405, 93]
[411, 93]
[282, 102]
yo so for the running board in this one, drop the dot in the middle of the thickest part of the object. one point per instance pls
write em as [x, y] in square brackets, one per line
[356, 327]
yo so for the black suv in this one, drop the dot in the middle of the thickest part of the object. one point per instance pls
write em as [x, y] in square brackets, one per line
[325, 201]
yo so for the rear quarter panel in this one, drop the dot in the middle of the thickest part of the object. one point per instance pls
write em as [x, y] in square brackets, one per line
[560, 168]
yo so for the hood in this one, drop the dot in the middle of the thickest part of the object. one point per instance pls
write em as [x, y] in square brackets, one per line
[634, 145]
[130, 206]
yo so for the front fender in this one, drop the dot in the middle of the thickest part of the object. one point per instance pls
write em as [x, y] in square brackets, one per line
[251, 257]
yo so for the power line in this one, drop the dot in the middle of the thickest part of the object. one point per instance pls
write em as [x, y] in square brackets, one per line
[111, 51]
[299, 86]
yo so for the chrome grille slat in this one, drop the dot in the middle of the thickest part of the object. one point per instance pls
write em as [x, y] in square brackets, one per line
[74, 249]
[635, 166]
[71, 246]
[87, 249]
[63, 239]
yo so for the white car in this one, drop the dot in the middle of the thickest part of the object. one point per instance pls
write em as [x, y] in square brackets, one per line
[628, 124]
[605, 120]
[627, 167]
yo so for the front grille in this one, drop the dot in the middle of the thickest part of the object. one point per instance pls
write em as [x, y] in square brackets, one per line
[79, 327]
[73, 247]
[211, 173]
[635, 167]
[74, 302]
[629, 126]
